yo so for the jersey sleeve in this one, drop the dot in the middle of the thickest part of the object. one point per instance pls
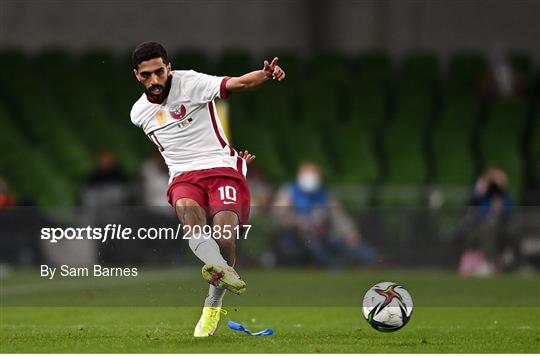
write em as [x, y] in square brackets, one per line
[139, 113]
[135, 115]
[205, 88]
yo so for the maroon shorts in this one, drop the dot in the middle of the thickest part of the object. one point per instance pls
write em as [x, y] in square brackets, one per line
[215, 189]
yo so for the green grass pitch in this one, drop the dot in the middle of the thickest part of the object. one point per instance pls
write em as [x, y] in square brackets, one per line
[310, 311]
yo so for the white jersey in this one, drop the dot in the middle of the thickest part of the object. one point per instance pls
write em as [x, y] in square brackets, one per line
[185, 126]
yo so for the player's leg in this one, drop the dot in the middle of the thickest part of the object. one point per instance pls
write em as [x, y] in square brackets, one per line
[209, 320]
[224, 275]
[216, 271]
[218, 276]
[227, 222]
[189, 201]
[193, 217]
[228, 197]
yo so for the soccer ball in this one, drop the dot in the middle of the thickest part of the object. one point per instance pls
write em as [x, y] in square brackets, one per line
[387, 306]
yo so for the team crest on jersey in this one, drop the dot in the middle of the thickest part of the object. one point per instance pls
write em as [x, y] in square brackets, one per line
[178, 112]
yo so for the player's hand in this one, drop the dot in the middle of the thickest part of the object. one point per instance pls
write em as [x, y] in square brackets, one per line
[272, 70]
[247, 156]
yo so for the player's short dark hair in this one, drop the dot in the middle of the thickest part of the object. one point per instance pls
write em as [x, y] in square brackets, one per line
[147, 51]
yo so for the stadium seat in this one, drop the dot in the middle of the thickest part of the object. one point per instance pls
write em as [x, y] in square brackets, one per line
[451, 142]
[115, 101]
[523, 68]
[41, 121]
[98, 67]
[354, 156]
[316, 115]
[368, 90]
[368, 107]
[234, 63]
[501, 140]
[86, 108]
[330, 68]
[405, 164]
[344, 112]
[405, 155]
[374, 67]
[191, 59]
[24, 165]
[404, 143]
[534, 147]
[420, 69]
[254, 119]
[465, 74]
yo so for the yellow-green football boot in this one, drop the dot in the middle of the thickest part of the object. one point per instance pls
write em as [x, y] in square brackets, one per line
[224, 277]
[208, 322]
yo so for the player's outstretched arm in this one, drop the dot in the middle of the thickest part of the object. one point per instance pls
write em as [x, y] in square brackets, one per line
[252, 80]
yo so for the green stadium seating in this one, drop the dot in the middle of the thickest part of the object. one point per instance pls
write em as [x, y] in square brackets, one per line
[354, 159]
[273, 108]
[420, 69]
[368, 92]
[374, 67]
[98, 70]
[465, 74]
[368, 107]
[235, 63]
[116, 99]
[451, 144]
[317, 116]
[253, 119]
[28, 169]
[364, 122]
[535, 150]
[330, 68]
[86, 109]
[191, 59]
[42, 122]
[404, 143]
[451, 141]
[522, 64]
[523, 67]
[501, 140]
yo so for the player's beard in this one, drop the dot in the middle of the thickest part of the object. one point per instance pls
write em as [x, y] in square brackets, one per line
[164, 91]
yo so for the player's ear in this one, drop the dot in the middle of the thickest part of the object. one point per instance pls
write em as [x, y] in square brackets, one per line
[136, 74]
[169, 68]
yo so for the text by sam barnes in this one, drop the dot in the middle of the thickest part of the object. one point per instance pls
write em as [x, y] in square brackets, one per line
[94, 271]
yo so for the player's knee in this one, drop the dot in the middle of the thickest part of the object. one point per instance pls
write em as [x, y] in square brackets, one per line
[186, 202]
[226, 218]
[189, 212]
[227, 222]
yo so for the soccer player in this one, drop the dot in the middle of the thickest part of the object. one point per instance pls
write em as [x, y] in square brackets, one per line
[207, 176]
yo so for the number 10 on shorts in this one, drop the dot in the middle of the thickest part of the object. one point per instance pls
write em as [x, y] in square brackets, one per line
[227, 194]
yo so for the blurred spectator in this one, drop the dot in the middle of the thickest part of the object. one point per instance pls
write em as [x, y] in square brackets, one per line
[6, 199]
[20, 223]
[484, 229]
[501, 79]
[155, 181]
[261, 190]
[107, 185]
[154, 176]
[313, 225]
